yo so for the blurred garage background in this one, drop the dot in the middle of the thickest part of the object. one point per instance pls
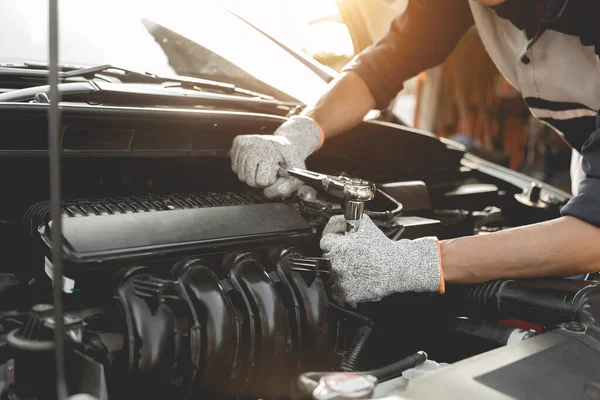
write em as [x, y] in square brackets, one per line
[465, 98]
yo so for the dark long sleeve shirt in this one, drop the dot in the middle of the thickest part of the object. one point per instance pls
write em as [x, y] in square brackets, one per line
[549, 56]
[421, 38]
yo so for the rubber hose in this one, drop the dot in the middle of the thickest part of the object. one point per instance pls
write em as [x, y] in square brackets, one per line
[396, 369]
[484, 330]
[350, 360]
[351, 356]
[352, 314]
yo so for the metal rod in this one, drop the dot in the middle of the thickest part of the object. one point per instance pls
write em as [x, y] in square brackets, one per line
[55, 201]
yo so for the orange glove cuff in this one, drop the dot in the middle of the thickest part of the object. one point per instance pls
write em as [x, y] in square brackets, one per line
[442, 282]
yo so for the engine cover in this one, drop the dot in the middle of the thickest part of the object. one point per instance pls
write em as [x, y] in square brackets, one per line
[96, 247]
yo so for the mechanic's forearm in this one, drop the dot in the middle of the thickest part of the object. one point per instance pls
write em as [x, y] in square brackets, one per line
[562, 247]
[343, 106]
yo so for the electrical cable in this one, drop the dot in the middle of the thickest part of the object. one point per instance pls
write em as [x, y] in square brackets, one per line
[352, 314]
[350, 359]
[55, 201]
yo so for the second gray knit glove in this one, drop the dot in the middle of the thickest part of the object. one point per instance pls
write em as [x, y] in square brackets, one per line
[368, 266]
[256, 158]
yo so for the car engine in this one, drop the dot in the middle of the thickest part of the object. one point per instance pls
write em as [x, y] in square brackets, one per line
[180, 282]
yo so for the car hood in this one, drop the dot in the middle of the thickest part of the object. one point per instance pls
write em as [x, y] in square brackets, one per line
[109, 37]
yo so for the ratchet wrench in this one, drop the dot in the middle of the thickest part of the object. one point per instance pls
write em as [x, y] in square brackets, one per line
[355, 192]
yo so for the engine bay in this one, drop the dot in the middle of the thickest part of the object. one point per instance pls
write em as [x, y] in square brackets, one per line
[181, 282]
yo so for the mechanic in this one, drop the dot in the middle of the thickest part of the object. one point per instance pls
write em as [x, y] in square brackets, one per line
[549, 51]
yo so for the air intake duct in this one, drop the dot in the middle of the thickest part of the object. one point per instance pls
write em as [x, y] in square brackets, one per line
[245, 327]
[547, 302]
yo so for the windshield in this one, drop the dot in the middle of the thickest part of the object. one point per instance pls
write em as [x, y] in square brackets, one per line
[183, 37]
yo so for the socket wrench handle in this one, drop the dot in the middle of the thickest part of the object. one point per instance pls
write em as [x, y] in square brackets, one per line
[306, 176]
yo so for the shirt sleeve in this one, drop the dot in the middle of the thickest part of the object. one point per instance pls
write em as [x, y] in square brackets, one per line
[586, 204]
[419, 39]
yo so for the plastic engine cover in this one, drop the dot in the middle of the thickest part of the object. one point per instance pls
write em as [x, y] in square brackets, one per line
[96, 247]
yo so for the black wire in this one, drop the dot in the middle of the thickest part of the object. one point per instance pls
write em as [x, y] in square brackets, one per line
[352, 314]
[55, 201]
[351, 357]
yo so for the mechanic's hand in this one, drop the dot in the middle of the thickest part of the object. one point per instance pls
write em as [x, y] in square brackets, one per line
[368, 266]
[256, 158]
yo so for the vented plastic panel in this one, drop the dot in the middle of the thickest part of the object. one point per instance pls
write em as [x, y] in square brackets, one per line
[140, 204]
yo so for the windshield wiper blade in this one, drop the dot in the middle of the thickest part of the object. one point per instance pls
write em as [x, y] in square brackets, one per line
[39, 66]
[131, 95]
[129, 76]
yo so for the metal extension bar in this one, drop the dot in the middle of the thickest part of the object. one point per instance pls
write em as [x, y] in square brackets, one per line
[55, 201]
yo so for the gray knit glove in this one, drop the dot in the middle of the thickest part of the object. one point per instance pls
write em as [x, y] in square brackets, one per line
[256, 158]
[368, 266]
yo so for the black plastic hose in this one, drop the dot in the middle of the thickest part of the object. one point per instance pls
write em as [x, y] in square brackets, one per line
[543, 301]
[309, 381]
[352, 314]
[486, 330]
[396, 369]
[350, 359]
